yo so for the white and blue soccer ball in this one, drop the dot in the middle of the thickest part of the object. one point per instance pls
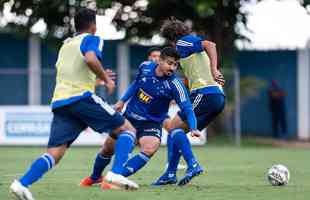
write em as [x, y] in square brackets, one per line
[278, 175]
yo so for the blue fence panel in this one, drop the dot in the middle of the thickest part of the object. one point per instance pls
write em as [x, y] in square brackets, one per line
[14, 89]
[269, 65]
[14, 51]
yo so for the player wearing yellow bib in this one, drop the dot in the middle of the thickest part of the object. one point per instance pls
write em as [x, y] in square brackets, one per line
[75, 107]
[199, 66]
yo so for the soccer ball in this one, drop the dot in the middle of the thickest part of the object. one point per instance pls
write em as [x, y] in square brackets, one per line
[278, 175]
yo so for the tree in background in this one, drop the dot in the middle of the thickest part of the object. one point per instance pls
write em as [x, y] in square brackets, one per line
[139, 18]
[214, 19]
[56, 14]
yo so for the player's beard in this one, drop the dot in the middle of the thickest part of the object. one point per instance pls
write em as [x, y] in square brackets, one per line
[169, 72]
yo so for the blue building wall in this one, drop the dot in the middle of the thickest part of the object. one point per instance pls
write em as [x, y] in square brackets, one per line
[14, 55]
[48, 79]
[138, 54]
[14, 89]
[14, 52]
[269, 65]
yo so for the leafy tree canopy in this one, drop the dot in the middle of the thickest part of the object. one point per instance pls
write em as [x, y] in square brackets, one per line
[214, 19]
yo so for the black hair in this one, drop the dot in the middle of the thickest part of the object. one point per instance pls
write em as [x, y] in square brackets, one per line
[83, 19]
[173, 29]
[152, 49]
[169, 52]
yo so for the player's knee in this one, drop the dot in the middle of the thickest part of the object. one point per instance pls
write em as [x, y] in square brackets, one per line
[149, 145]
[167, 124]
[125, 127]
[108, 147]
[174, 123]
[149, 151]
[128, 126]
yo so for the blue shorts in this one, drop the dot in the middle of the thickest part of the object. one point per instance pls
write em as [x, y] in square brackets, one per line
[70, 120]
[146, 128]
[206, 107]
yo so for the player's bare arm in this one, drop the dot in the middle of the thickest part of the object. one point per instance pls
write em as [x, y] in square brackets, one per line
[95, 66]
[210, 48]
[110, 73]
[119, 105]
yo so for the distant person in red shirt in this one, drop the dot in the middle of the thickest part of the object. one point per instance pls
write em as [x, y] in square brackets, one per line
[277, 108]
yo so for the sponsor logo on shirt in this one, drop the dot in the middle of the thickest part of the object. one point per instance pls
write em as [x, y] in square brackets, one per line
[144, 97]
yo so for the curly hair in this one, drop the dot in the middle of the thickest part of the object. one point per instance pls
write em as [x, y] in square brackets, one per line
[172, 29]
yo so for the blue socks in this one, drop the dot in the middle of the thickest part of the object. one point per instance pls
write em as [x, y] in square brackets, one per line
[38, 168]
[123, 147]
[135, 163]
[169, 147]
[181, 145]
[174, 155]
[100, 163]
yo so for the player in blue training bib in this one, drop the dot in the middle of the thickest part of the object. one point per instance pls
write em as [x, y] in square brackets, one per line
[199, 66]
[75, 107]
[148, 97]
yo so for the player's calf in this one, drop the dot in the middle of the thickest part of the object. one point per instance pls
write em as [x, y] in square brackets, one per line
[149, 146]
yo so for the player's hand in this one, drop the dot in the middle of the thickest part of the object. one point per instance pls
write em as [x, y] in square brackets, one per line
[195, 133]
[110, 85]
[111, 74]
[218, 77]
[99, 82]
[119, 106]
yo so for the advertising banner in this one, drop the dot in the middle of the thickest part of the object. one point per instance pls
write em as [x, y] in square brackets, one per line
[30, 125]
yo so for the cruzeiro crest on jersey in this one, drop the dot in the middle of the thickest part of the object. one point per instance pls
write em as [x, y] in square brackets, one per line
[144, 97]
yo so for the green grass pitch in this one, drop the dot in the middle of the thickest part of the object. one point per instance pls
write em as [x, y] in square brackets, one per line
[233, 174]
